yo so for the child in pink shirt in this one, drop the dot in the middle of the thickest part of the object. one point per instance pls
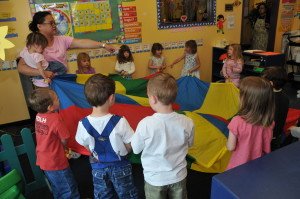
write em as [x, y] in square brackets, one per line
[233, 65]
[250, 132]
[32, 54]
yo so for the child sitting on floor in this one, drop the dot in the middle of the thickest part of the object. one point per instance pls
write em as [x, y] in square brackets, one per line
[125, 66]
[84, 64]
[108, 138]
[51, 136]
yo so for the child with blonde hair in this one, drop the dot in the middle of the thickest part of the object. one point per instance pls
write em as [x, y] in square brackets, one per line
[233, 65]
[157, 62]
[191, 60]
[250, 132]
[84, 64]
[125, 65]
[164, 139]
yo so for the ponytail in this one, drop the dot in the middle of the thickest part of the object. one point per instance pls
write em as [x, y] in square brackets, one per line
[38, 18]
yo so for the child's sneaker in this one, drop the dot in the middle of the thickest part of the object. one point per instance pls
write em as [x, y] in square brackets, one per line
[298, 96]
[298, 91]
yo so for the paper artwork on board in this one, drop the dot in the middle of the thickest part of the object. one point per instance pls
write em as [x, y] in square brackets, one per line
[230, 22]
[91, 16]
[62, 16]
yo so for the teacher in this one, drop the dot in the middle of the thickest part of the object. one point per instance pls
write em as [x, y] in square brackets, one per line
[44, 23]
[261, 27]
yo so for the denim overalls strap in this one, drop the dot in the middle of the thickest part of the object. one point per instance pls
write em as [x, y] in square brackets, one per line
[103, 146]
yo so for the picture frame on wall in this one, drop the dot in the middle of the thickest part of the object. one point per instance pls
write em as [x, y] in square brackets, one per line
[185, 13]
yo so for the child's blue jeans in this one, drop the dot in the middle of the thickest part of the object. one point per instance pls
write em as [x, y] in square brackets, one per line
[56, 67]
[114, 179]
[63, 184]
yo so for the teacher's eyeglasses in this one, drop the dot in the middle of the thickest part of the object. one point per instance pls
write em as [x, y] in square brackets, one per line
[51, 23]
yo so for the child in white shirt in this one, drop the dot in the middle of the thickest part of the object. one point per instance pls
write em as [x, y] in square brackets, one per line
[191, 60]
[157, 62]
[164, 139]
[125, 65]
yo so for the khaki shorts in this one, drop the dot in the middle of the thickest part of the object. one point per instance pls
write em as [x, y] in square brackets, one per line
[172, 191]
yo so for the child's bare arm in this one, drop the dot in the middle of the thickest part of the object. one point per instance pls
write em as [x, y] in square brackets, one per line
[128, 147]
[177, 60]
[64, 143]
[164, 65]
[41, 70]
[231, 142]
[150, 65]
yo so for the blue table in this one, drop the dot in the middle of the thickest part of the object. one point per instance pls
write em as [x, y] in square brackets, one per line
[274, 176]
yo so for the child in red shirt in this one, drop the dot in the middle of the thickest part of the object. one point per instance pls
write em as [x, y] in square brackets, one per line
[51, 137]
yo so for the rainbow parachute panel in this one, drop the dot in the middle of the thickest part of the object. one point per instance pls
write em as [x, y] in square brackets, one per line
[209, 105]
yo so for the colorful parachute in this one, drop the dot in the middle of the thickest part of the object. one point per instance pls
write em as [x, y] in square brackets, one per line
[210, 105]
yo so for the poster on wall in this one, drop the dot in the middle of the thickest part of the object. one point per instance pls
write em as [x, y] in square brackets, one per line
[131, 28]
[91, 16]
[98, 20]
[287, 17]
[62, 16]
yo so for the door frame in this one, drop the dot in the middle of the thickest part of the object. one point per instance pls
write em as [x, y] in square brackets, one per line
[273, 23]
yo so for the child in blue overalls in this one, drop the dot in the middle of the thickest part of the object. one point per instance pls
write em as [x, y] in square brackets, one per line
[108, 138]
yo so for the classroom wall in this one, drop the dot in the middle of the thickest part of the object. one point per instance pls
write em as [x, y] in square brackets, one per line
[147, 15]
[146, 10]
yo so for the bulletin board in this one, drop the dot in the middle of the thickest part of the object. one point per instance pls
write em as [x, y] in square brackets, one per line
[96, 20]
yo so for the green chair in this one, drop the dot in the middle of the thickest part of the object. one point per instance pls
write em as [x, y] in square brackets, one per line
[11, 186]
[10, 154]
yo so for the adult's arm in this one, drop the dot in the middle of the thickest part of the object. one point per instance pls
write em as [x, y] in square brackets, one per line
[27, 70]
[88, 43]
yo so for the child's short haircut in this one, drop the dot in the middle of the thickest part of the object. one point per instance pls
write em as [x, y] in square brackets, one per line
[98, 88]
[164, 87]
[40, 99]
[277, 75]
[82, 56]
[37, 39]
[155, 47]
